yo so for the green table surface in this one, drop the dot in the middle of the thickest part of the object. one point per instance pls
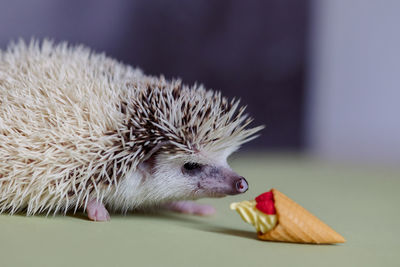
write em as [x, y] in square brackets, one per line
[359, 202]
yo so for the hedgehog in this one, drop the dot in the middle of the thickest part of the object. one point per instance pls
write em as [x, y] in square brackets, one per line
[82, 131]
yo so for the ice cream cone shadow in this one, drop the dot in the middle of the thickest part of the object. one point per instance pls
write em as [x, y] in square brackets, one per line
[230, 231]
[251, 235]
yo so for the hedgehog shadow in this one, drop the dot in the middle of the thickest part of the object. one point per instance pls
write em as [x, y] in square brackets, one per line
[77, 215]
[193, 222]
[188, 221]
[232, 232]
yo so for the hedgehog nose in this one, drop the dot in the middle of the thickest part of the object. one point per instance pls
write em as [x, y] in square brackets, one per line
[241, 185]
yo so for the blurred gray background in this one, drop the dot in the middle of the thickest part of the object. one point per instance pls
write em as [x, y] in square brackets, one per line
[254, 50]
[323, 76]
[353, 90]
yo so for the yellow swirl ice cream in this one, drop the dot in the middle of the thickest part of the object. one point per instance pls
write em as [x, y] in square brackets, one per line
[250, 214]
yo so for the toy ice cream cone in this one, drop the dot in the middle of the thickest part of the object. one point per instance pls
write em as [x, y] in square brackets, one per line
[293, 222]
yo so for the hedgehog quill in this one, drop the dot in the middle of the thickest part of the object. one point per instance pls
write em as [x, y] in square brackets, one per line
[82, 131]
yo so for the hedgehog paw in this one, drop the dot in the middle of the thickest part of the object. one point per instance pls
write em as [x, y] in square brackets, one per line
[190, 207]
[97, 212]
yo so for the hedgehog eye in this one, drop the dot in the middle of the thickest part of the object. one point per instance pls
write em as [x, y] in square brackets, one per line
[191, 166]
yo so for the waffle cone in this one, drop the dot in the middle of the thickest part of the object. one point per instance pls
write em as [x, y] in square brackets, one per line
[296, 224]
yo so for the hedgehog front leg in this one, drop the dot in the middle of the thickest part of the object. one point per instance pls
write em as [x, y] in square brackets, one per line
[97, 212]
[190, 207]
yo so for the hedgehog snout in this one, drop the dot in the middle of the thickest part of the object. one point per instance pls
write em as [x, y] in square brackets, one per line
[220, 181]
[237, 184]
[241, 185]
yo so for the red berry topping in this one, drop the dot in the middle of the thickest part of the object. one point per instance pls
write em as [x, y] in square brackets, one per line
[265, 203]
[267, 207]
[265, 196]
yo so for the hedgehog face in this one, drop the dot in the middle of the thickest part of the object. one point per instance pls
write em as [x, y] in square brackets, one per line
[196, 175]
[181, 137]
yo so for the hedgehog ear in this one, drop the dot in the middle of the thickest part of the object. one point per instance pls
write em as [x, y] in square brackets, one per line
[155, 150]
[148, 161]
